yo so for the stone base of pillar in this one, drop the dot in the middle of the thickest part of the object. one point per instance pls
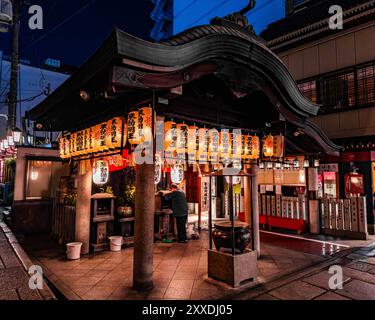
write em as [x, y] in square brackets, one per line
[143, 286]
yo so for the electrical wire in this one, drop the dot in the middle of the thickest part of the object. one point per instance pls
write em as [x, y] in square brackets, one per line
[27, 99]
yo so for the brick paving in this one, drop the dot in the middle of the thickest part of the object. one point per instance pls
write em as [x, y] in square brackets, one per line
[180, 271]
[313, 283]
[14, 281]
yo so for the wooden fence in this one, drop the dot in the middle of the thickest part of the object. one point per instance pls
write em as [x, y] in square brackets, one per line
[63, 222]
[344, 217]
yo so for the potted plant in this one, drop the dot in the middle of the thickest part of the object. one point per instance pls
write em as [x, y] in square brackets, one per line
[70, 199]
[125, 202]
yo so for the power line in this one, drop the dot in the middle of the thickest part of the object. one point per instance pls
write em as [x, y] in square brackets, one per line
[25, 100]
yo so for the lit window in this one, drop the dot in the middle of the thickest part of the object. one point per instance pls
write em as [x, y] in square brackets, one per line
[366, 85]
[38, 179]
[308, 89]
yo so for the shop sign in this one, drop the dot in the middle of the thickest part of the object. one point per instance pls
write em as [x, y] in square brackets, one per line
[205, 205]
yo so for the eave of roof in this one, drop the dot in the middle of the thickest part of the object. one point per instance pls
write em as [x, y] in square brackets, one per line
[313, 22]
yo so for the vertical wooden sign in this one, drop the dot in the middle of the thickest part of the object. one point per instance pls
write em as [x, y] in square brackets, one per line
[354, 209]
[269, 206]
[278, 205]
[264, 204]
[347, 215]
[340, 214]
[326, 216]
[302, 207]
[296, 209]
[284, 207]
[290, 208]
[260, 203]
[333, 213]
[362, 215]
[273, 205]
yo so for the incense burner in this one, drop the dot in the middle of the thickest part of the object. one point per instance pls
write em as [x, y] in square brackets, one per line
[222, 235]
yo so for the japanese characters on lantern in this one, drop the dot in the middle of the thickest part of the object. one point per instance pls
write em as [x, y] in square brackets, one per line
[225, 149]
[255, 148]
[246, 147]
[192, 144]
[100, 172]
[170, 139]
[278, 146]
[145, 124]
[268, 146]
[116, 128]
[177, 173]
[133, 132]
[158, 167]
[203, 145]
[213, 146]
[181, 141]
[182, 138]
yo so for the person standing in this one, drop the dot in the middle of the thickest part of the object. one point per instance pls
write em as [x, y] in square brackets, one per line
[180, 211]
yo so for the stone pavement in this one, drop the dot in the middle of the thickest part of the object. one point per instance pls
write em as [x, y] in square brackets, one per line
[14, 280]
[313, 283]
[180, 270]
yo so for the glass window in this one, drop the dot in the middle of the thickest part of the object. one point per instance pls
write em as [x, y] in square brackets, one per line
[338, 91]
[38, 179]
[366, 85]
[308, 89]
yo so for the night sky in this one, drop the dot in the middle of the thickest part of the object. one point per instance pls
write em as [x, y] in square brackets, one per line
[74, 29]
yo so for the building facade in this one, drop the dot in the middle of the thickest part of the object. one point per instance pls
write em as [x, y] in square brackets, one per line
[335, 68]
[174, 16]
[34, 84]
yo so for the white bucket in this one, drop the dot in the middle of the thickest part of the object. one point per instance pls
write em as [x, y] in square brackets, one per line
[115, 243]
[73, 250]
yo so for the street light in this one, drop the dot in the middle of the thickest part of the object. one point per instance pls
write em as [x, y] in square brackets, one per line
[10, 140]
[2, 146]
[5, 144]
[17, 133]
[6, 15]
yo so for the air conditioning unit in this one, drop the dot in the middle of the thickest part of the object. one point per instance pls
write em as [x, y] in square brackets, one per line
[6, 15]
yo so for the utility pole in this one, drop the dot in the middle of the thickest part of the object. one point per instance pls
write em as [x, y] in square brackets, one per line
[13, 93]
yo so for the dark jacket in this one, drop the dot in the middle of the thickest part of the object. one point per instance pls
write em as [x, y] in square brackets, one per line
[179, 203]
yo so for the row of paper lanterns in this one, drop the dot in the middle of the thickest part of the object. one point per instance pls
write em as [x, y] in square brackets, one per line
[99, 138]
[200, 144]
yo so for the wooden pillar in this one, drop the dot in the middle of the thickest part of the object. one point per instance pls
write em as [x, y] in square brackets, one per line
[247, 200]
[83, 206]
[144, 227]
[255, 207]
